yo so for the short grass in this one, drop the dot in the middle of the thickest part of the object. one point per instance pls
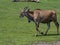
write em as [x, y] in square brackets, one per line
[17, 31]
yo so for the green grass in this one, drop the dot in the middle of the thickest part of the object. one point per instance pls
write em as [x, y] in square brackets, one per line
[17, 31]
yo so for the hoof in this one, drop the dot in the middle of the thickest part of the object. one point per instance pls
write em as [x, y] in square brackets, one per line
[36, 35]
[57, 34]
[42, 33]
[45, 34]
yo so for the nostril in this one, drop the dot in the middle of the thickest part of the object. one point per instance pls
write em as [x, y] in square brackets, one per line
[20, 16]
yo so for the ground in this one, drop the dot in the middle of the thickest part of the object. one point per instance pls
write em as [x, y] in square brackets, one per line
[47, 43]
[17, 31]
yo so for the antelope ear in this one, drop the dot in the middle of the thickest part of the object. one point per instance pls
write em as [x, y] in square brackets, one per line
[25, 8]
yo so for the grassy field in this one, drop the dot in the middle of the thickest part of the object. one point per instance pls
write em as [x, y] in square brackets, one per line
[17, 31]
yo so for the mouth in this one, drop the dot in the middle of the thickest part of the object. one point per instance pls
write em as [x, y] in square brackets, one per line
[20, 16]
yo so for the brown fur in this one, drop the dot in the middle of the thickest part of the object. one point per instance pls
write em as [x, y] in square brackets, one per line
[42, 16]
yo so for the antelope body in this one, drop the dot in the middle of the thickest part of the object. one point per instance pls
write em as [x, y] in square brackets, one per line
[41, 16]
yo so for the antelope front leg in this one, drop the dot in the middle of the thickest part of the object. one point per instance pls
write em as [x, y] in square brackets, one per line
[48, 24]
[37, 30]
